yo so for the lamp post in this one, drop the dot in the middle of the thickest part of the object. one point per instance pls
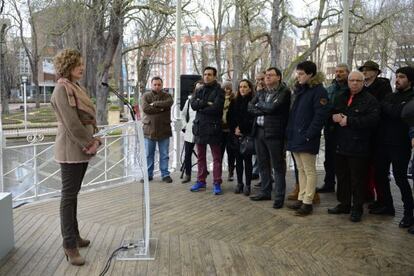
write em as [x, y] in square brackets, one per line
[24, 82]
[131, 83]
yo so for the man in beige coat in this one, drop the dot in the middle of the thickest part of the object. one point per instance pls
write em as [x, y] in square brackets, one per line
[156, 106]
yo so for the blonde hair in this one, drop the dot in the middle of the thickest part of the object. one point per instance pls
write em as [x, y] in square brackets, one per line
[66, 61]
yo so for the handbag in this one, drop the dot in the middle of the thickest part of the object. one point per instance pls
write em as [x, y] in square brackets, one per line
[234, 143]
[247, 146]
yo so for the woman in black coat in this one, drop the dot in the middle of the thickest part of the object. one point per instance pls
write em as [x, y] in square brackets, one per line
[241, 123]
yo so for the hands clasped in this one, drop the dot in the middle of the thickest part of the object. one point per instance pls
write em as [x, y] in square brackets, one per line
[340, 118]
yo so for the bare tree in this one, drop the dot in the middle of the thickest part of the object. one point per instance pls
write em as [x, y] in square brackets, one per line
[31, 47]
[152, 29]
[3, 89]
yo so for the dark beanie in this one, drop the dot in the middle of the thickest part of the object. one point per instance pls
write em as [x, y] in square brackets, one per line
[308, 66]
[409, 72]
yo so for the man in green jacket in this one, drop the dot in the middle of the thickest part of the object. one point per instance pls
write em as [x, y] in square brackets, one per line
[156, 106]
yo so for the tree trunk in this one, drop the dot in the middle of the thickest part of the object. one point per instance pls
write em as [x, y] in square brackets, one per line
[276, 34]
[3, 89]
[217, 40]
[237, 48]
[107, 43]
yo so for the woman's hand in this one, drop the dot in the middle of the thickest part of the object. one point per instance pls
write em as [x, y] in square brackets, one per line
[93, 148]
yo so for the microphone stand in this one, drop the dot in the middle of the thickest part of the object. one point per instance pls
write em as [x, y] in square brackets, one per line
[122, 98]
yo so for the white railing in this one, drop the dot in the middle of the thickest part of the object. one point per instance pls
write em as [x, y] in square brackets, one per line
[30, 172]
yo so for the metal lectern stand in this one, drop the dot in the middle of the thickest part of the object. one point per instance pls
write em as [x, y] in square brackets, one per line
[144, 248]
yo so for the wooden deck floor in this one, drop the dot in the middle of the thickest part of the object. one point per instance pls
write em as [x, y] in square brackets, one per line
[202, 234]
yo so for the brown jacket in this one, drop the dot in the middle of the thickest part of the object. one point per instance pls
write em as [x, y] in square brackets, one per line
[72, 135]
[157, 115]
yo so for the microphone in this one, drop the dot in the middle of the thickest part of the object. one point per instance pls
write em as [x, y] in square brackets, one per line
[122, 98]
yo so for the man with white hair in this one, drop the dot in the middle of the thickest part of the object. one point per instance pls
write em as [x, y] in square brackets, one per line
[355, 114]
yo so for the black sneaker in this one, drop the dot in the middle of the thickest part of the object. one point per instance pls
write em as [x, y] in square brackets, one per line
[356, 216]
[406, 222]
[304, 210]
[167, 179]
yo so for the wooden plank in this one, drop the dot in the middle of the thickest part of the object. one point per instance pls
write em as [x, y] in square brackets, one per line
[202, 234]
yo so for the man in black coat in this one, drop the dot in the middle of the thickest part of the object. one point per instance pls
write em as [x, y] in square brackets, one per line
[208, 102]
[394, 147]
[339, 85]
[356, 114]
[379, 88]
[271, 109]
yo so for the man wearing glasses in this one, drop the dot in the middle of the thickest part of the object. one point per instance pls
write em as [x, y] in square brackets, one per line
[271, 108]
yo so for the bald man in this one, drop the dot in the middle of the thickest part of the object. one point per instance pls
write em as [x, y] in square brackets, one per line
[355, 115]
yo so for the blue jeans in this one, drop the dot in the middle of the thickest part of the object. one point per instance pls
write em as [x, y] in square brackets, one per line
[163, 146]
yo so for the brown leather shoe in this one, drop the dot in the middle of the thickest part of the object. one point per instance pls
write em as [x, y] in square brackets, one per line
[83, 242]
[294, 194]
[73, 256]
[316, 199]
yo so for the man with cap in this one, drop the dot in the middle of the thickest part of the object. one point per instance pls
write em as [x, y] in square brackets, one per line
[379, 87]
[394, 148]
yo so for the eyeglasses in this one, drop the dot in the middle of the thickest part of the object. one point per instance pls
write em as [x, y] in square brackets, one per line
[271, 75]
[352, 80]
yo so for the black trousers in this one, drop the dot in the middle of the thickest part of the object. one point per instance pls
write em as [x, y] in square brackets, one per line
[270, 154]
[244, 164]
[72, 177]
[329, 163]
[399, 157]
[351, 173]
[188, 153]
[225, 146]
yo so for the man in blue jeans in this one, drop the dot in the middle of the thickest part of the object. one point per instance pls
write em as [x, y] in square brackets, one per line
[156, 106]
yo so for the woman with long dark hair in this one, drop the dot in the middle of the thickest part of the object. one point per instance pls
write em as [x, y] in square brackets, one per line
[241, 123]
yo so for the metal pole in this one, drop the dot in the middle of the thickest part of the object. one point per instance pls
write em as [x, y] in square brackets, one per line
[25, 105]
[177, 91]
[44, 92]
[36, 181]
[129, 92]
[345, 31]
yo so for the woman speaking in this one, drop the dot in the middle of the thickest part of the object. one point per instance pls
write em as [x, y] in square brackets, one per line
[74, 144]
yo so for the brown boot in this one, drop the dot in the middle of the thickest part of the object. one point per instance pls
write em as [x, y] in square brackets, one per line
[83, 242]
[73, 256]
[316, 199]
[294, 194]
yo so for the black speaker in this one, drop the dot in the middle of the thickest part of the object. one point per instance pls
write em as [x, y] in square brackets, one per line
[187, 86]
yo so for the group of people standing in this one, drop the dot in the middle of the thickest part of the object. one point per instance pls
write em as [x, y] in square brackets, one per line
[364, 124]
[363, 129]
